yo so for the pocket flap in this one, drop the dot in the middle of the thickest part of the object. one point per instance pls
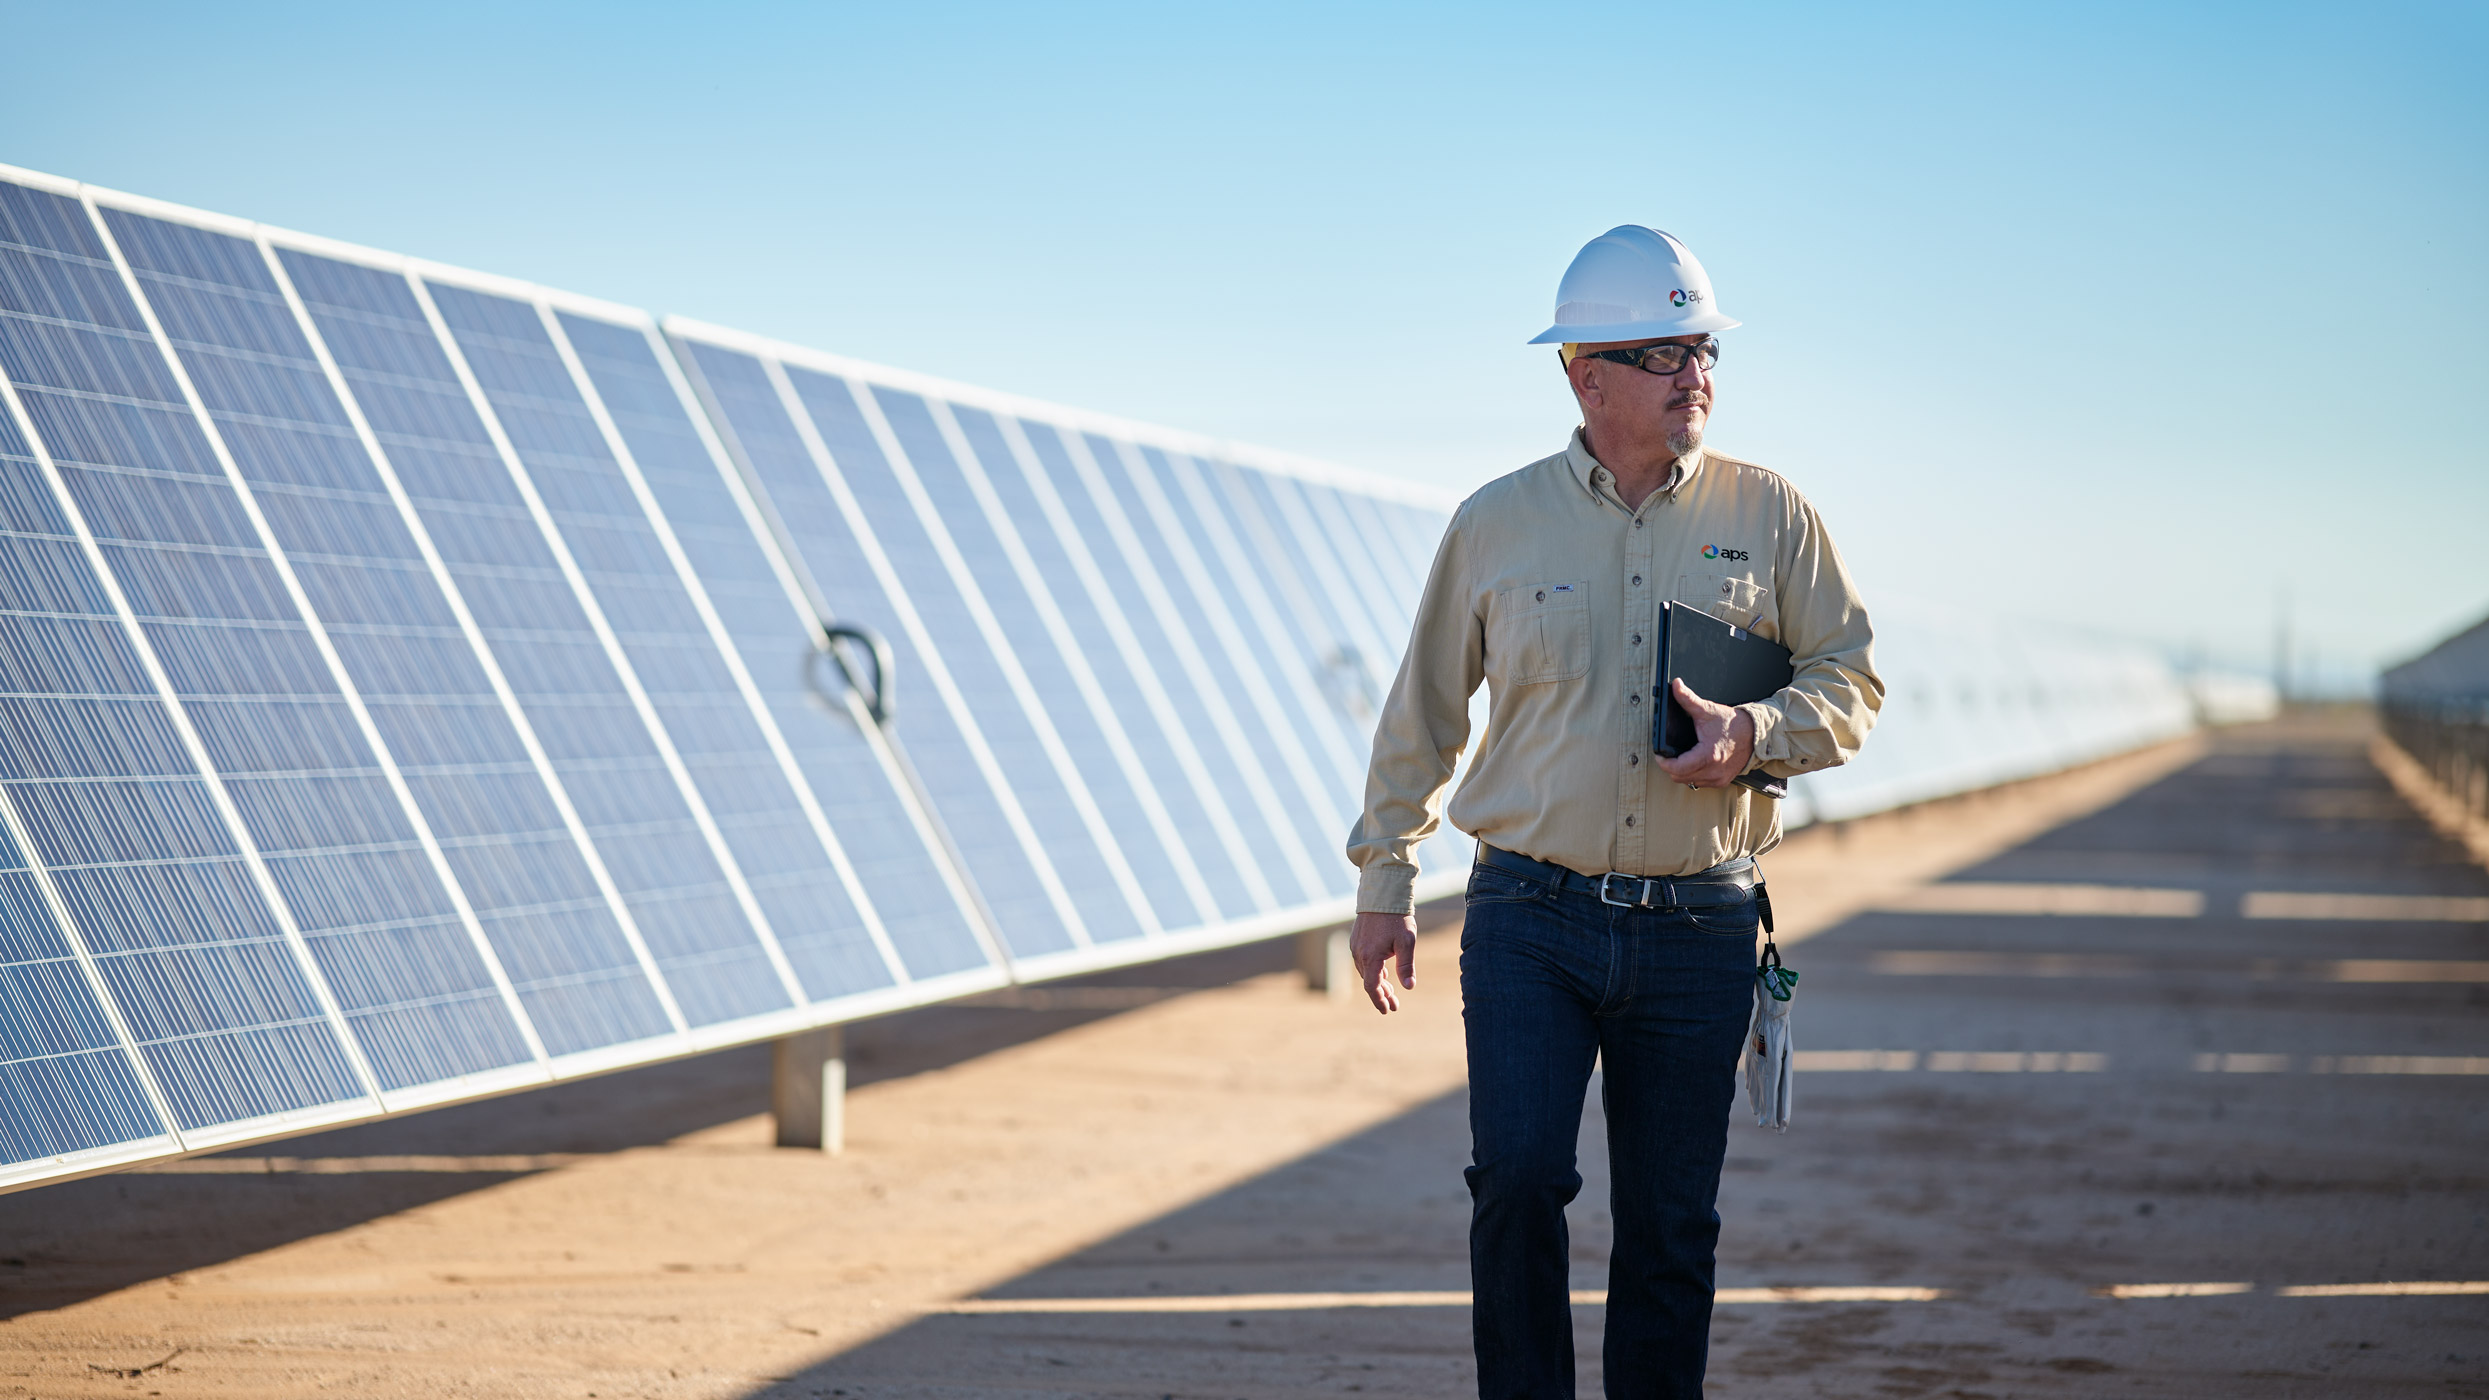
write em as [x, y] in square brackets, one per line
[1540, 632]
[1732, 598]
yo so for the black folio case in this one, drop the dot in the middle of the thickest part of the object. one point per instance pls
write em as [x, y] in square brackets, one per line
[1720, 662]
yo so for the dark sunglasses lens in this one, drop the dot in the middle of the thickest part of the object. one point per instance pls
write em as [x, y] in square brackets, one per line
[1664, 359]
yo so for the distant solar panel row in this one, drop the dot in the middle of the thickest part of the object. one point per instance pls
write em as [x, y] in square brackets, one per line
[409, 685]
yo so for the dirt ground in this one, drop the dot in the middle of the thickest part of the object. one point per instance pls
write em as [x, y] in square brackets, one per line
[1209, 1127]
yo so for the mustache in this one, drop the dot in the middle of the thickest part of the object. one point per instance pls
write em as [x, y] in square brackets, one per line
[1692, 399]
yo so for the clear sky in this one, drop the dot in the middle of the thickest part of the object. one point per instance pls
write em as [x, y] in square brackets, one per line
[2142, 316]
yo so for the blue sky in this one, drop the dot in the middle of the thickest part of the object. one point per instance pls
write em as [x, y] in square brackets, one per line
[2145, 317]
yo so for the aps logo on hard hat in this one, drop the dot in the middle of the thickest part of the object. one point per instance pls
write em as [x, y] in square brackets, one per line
[1682, 295]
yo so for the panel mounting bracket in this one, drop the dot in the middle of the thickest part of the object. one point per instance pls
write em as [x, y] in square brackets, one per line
[879, 697]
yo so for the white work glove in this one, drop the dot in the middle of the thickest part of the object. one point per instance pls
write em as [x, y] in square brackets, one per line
[1767, 1043]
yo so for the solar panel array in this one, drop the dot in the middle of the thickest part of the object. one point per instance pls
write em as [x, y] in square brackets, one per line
[413, 685]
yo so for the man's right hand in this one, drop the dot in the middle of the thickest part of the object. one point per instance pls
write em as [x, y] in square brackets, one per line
[1377, 939]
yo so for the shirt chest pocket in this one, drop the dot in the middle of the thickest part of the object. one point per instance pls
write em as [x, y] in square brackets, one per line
[1539, 632]
[1731, 598]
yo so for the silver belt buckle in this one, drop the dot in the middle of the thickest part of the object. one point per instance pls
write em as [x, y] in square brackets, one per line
[1606, 898]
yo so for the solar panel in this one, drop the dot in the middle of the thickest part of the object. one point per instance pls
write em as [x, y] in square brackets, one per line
[415, 685]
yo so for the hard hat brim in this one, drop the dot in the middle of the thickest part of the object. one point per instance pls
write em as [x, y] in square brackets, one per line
[1700, 323]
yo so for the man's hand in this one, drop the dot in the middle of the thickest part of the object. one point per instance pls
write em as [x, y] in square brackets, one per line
[1377, 939]
[1723, 743]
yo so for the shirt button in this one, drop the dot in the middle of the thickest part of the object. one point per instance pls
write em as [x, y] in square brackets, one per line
[1634, 760]
[1628, 821]
[1637, 580]
[1637, 524]
[1634, 699]
[1724, 588]
[1637, 639]
[1542, 595]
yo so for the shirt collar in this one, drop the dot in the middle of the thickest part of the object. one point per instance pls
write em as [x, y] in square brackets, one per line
[1601, 484]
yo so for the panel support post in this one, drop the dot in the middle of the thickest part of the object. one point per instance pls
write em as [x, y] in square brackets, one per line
[1322, 955]
[808, 1089]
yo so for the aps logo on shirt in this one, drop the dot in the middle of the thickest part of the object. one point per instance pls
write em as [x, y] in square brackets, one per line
[1713, 551]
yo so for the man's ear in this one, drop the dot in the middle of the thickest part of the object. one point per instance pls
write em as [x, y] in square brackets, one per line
[1583, 374]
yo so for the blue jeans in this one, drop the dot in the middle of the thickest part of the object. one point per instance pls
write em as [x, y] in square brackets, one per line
[1551, 981]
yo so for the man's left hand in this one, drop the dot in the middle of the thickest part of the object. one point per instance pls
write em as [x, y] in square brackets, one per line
[1723, 743]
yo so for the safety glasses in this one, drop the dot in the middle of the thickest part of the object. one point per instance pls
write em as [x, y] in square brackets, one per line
[1663, 359]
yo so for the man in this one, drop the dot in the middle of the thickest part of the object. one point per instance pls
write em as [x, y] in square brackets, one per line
[1612, 910]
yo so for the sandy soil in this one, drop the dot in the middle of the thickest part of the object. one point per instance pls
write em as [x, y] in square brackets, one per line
[1230, 1132]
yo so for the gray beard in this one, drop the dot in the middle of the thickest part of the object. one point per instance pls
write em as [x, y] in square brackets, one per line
[1685, 441]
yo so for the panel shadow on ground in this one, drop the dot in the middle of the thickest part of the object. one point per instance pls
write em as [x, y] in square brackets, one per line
[1996, 1167]
[79, 1239]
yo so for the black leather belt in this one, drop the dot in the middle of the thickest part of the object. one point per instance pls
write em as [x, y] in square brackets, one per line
[1729, 882]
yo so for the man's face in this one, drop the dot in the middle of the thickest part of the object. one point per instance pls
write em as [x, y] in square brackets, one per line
[1623, 403]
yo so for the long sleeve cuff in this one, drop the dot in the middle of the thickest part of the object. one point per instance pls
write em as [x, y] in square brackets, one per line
[1387, 887]
[1771, 734]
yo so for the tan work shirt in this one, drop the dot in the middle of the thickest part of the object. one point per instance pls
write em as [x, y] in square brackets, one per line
[1548, 587]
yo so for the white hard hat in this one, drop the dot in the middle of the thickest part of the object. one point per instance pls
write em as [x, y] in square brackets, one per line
[1633, 283]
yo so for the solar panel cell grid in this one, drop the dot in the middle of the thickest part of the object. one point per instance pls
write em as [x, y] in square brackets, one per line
[1332, 776]
[965, 792]
[1341, 671]
[67, 1083]
[334, 831]
[777, 862]
[203, 971]
[849, 814]
[431, 694]
[993, 686]
[1208, 644]
[995, 545]
[961, 686]
[1369, 576]
[1262, 849]
[1304, 553]
[936, 934]
[581, 694]
[1188, 815]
